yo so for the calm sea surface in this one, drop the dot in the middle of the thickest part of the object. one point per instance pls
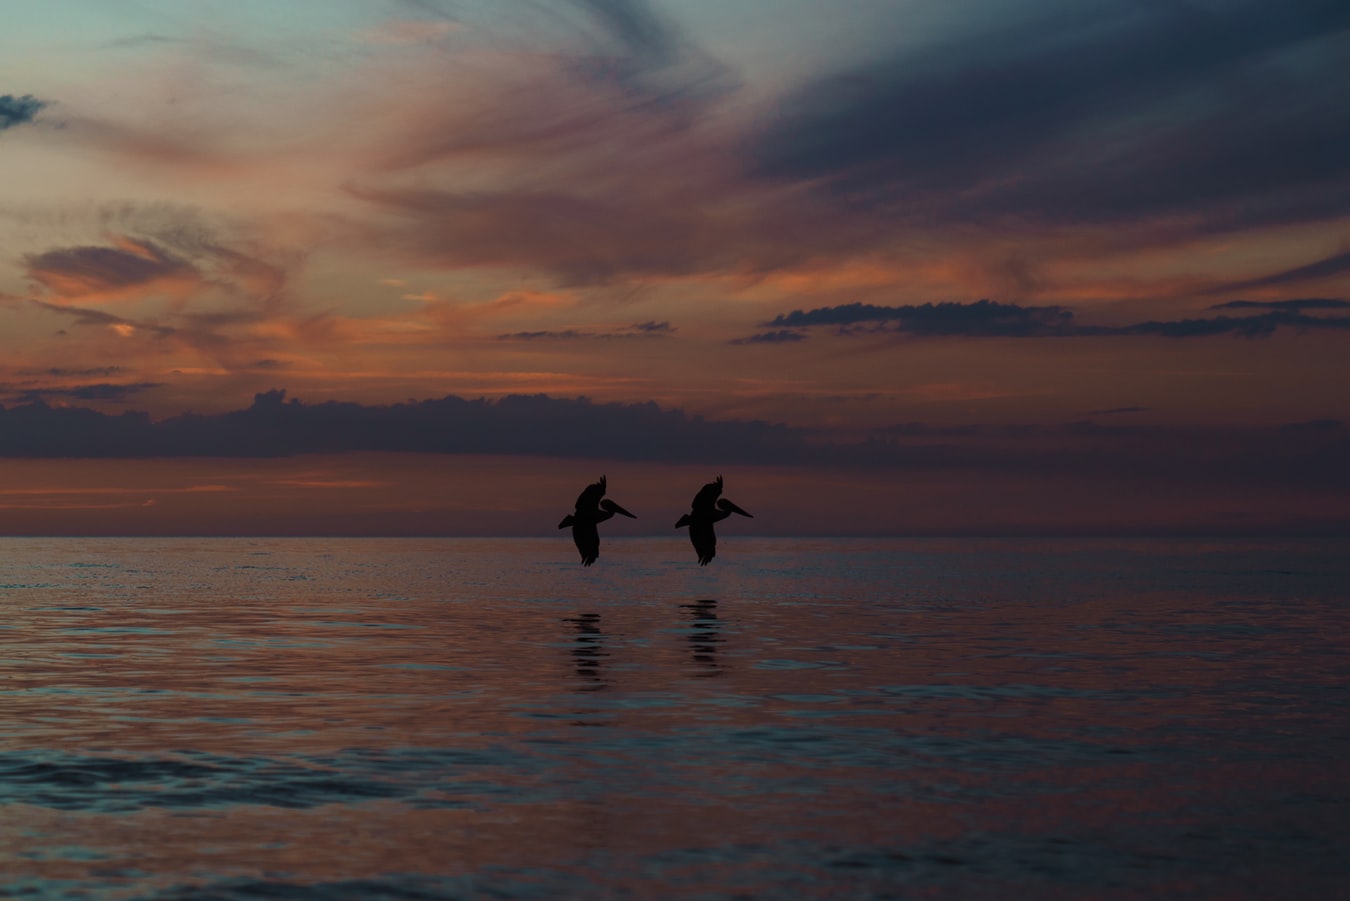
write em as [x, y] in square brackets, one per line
[803, 719]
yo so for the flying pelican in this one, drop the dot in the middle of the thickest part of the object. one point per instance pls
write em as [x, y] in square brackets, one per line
[708, 507]
[592, 508]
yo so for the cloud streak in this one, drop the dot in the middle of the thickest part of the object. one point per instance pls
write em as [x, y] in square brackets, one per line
[102, 391]
[1297, 305]
[1331, 266]
[989, 319]
[650, 329]
[781, 336]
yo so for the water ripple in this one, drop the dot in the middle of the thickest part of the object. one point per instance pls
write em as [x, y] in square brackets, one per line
[110, 784]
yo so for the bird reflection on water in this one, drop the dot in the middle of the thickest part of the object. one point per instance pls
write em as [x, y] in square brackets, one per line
[589, 650]
[704, 637]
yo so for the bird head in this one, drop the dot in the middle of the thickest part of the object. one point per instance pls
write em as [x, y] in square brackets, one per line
[724, 504]
[612, 507]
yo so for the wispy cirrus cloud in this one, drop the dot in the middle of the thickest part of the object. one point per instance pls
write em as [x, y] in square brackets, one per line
[172, 285]
[1328, 267]
[408, 32]
[100, 318]
[1233, 122]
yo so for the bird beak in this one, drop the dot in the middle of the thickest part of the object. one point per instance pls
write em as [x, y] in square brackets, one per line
[621, 511]
[726, 504]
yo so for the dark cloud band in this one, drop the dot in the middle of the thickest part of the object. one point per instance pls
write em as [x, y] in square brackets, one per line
[989, 319]
[541, 426]
[1125, 112]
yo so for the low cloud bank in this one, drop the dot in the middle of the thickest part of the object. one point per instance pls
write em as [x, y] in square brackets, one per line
[1306, 456]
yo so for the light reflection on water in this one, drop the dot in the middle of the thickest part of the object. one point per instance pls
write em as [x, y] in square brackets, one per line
[427, 719]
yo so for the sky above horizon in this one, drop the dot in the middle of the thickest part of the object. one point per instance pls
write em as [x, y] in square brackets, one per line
[949, 249]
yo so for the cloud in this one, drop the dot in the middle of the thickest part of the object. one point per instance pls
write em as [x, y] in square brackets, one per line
[225, 282]
[83, 272]
[590, 142]
[1223, 115]
[408, 32]
[982, 318]
[1117, 411]
[1325, 268]
[636, 27]
[103, 391]
[636, 330]
[1308, 303]
[565, 335]
[18, 110]
[989, 319]
[1243, 326]
[781, 336]
[1237, 457]
[62, 373]
[583, 240]
[98, 318]
[517, 425]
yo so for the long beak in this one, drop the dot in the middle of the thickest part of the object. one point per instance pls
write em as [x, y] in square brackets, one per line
[684, 521]
[621, 511]
[728, 505]
[567, 521]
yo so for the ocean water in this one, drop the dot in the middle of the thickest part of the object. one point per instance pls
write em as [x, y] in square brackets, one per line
[423, 719]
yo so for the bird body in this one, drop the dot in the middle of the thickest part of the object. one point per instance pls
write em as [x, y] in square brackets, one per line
[592, 508]
[708, 507]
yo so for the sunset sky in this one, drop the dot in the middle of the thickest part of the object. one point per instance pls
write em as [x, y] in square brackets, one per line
[890, 266]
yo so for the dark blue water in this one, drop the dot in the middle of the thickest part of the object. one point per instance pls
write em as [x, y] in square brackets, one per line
[802, 719]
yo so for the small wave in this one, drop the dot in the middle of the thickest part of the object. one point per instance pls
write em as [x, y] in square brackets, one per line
[110, 784]
[506, 884]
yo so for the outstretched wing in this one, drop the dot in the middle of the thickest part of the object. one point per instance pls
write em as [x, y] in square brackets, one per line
[590, 498]
[705, 502]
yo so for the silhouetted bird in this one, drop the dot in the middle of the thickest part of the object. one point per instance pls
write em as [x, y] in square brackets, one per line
[709, 507]
[593, 508]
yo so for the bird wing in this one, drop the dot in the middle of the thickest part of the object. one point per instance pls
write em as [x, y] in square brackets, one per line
[705, 502]
[590, 498]
[587, 538]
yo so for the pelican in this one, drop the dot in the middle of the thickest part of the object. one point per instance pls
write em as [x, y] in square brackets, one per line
[709, 507]
[592, 508]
